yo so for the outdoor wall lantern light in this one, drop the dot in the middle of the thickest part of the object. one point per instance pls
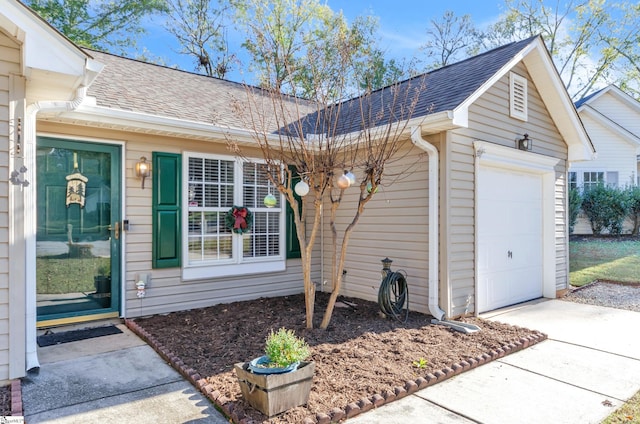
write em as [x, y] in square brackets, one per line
[524, 143]
[143, 169]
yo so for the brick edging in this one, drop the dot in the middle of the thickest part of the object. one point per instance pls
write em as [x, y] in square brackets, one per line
[227, 407]
[16, 398]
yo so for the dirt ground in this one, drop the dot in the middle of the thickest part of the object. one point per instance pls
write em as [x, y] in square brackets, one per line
[359, 355]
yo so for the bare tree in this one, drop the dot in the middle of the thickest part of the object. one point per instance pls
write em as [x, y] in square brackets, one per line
[331, 146]
[573, 32]
[451, 38]
[200, 28]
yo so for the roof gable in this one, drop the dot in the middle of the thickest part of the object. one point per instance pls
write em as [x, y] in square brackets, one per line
[615, 110]
[49, 59]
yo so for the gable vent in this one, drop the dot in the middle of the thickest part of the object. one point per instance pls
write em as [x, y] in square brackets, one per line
[518, 96]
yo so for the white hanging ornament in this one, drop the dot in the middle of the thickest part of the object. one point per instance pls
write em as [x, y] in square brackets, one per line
[352, 178]
[270, 200]
[343, 182]
[302, 188]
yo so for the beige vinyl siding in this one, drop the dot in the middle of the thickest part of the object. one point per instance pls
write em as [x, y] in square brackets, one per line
[489, 121]
[394, 224]
[167, 291]
[562, 228]
[9, 64]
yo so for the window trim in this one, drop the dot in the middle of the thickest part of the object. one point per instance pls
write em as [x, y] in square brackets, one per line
[573, 183]
[238, 264]
[593, 183]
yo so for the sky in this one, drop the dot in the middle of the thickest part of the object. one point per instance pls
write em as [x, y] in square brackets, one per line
[402, 26]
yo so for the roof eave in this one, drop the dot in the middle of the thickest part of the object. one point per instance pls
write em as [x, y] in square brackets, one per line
[51, 62]
[117, 119]
[554, 94]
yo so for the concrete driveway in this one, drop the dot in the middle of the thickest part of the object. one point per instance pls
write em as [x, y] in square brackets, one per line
[589, 366]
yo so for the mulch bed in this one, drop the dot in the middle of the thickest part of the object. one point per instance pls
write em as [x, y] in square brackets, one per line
[362, 360]
[5, 401]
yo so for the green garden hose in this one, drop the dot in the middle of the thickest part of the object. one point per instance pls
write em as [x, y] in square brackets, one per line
[393, 296]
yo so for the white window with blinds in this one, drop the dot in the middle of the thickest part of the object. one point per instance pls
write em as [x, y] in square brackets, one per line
[518, 97]
[212, 187]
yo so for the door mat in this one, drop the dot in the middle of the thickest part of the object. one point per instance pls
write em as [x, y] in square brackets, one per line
[51, 339]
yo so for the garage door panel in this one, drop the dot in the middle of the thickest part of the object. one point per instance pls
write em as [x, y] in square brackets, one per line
[509, 237]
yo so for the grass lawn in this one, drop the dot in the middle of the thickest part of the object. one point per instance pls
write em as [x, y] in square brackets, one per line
[604, 259]
[627, 413]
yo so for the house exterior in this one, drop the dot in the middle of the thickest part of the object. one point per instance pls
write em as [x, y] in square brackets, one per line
[611, 118]
[476, 223]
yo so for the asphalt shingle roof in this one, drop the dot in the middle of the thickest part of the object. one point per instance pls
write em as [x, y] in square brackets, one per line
[448, 87]
[587, 98]
[137, 86]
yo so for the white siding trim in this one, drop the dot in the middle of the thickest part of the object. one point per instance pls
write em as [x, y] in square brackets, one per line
[489, 154]
[17, 253]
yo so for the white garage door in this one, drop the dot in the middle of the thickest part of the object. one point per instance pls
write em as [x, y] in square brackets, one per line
[509, 237]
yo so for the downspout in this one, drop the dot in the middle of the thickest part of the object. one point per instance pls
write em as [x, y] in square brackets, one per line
[434, 229]
[434, 234]
[30, 217]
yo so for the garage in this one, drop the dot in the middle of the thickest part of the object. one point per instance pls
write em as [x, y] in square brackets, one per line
[510, 237]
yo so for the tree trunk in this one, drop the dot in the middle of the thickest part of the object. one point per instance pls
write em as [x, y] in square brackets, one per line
[338, 266]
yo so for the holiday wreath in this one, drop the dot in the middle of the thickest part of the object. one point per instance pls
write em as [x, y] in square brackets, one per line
[239, 219]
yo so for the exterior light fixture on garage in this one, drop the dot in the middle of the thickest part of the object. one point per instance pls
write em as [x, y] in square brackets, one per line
[524, 143]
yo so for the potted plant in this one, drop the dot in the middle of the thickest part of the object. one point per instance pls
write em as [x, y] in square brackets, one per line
[102, 283]
[280, 379]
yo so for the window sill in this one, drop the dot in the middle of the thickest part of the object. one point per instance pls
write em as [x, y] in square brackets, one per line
[215, 271]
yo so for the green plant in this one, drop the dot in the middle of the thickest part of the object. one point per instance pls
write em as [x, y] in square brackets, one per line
[575, 203]
[606, 208]
[420, 363]
[103, 270]
[284, 348]
[634, 207]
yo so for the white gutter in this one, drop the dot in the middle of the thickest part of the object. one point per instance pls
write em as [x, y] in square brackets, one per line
[30, 215]
[434, 233]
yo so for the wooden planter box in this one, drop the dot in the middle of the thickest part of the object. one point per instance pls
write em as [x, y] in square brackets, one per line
[272, 394]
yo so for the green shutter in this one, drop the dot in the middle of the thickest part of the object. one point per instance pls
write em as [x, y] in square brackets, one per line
[167, 177]
[293, 244]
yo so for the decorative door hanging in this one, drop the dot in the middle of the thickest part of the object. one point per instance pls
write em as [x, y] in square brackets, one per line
[76, 184]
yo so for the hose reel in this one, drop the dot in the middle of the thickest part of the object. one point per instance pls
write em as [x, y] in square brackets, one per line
[393, 295]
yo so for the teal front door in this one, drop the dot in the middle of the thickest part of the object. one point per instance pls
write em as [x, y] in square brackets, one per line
[78, 231]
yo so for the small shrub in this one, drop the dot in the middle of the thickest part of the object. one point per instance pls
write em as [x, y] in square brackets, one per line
[606, 208]
[634, 207]
[575, 203]
[284, 348]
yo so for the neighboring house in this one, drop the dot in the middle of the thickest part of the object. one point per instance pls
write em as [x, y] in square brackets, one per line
[612, 120]
[477, 223]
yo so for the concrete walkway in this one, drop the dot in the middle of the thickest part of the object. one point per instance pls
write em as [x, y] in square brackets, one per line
[111, 379]
[589, 366]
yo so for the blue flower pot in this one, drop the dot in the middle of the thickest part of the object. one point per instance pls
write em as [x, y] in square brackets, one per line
[258, 366]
